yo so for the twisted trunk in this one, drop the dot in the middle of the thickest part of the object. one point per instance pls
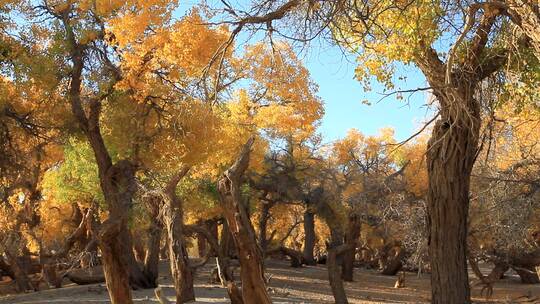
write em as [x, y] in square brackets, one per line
[174, 222]
[234, 209]
[450, 158]
[263, 226]
[151, 259]
[351, 239]
[335, 251]
[19, 274]
[309, 238]
[526, 14]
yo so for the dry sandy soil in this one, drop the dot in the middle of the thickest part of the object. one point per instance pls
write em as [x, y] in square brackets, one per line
[291, 285]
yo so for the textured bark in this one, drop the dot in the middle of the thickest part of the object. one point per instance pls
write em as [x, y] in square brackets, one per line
[117, 181]
[114, 265]
[139, 250]
[202, 248]
[234, 209]
[263, 226]
[351, 239]
[334, 272]
[151, 259]
[224, 271]
[309, 238]
[527, 274]
[452, 151]
[86, 276]
[174, 222]
[295, 256]
[6, 268]
[22, 282]
[450, 157]
[526, 14]
[393, 261]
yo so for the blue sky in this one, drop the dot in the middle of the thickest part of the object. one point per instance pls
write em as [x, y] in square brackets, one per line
[343, 96]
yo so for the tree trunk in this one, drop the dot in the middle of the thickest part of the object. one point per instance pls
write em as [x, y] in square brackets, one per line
[115, 267]
[164, 249]
[263, 226]
[212, 226]
[223, 269]
[201, 243]
[450, 158]
[21, 278]
[86, 276]
[295, 256]
[6, 269]
[309, 238]
[393, 264]
[527, 16]
[226, 243]
[351, 239]
[174, 222]
[527, 274]
[139, 251]
[137, 278]
[334, 272]
[117, 181]
[234, 209]
[151, 259]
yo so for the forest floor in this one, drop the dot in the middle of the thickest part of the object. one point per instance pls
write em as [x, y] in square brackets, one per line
[290, 285]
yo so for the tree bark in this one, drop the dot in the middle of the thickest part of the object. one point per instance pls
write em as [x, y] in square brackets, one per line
[393, 264]
[452, 150]
[151, 259]
[224, 271]
[526, 14]
[86, 276]
[174, 222]
[21, 278]
[351, 239]
[527, 274]
[450, 158]
[263, 225]
[6, 268]
[309, 238]
[295, 256]
[115, 267]
[116, 181]
[234, 209]
[201, 243]
[334, 272]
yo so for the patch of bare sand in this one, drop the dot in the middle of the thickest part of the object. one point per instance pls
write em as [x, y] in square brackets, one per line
[287, 285]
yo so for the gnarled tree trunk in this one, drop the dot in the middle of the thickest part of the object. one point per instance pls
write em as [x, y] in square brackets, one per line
[174, 222]
[392, 263]
[453, 147]
[335, 250]
[151, 259]
[21, 277]
[351, 239]
[223, 267]
[526, 14]
[234, 209]
[263, 225]
[450, 158]
[309, 238]
[117, 181]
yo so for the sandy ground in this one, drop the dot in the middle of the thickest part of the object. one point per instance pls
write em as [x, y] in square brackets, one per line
[289, 285]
